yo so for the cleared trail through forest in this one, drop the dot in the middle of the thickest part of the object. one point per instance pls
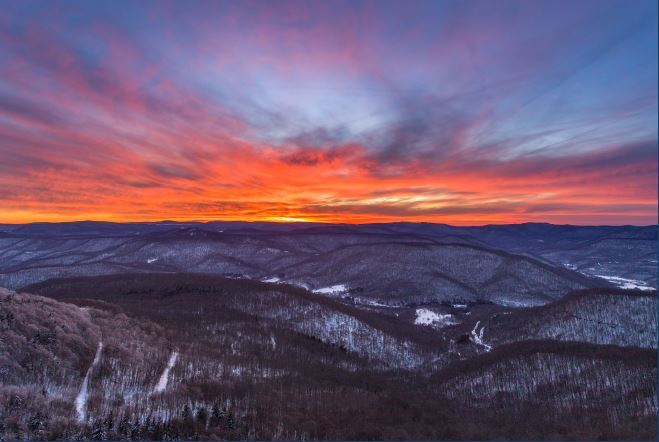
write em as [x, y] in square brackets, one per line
[164, 377]
[81, 399]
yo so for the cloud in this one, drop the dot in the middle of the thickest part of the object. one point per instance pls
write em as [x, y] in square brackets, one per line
[350, 112]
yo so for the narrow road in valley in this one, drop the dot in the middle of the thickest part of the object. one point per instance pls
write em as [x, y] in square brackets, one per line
[478, 337]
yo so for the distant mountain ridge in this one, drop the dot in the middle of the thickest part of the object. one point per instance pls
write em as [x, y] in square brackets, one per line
[389, 263]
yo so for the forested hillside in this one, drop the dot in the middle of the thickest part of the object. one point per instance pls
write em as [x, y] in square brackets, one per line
[184, 356]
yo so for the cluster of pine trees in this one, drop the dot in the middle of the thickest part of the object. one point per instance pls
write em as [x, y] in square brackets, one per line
[190, 423]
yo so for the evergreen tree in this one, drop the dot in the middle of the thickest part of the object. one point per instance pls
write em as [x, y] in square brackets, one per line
[109, 421]
[187, 426]
[37, 424]
[230, 424]
[185, 414]
[124, 426]
[149, 426]
[216, 416]
[156, 431]
[202, 417]
[167, 431]
[134, 432]
[98, 431]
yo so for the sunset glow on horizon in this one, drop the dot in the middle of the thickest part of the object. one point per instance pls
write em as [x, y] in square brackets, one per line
[461, 112]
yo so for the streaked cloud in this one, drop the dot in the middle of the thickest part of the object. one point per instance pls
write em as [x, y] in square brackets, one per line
[459, 112]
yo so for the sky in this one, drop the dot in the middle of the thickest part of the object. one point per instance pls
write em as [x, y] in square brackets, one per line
[459, 112]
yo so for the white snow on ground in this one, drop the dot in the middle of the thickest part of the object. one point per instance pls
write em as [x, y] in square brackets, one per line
[273, 341]
[511, 303]
[81, 399]
[459, 305]
[164, 377]
[272, 279]
[505, 302]
[428, 317]
[371, 303]
[150, 260]
[332, 290]
[478, 337]
[625, 283]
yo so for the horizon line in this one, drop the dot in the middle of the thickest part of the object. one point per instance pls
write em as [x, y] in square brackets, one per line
[170, 221]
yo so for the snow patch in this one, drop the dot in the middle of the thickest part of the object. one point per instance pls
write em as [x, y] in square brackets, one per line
[332, 290]
[624, 283]
[164, 377]
[436, 320]
[505, 302]
[151, 260]
[511, 303]
[370, 303]
[478, 337]
[299, 284]
[272, 279]
[81, 399]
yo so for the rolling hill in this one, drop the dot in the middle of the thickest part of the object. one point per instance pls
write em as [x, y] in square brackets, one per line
[389, 267]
